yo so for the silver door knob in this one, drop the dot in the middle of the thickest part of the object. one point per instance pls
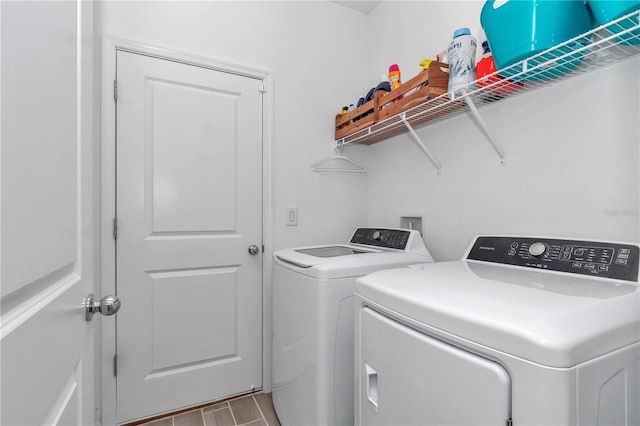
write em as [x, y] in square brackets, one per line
[254, 249]
[108, 305]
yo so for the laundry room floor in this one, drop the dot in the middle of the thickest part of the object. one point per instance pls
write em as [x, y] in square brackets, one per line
[248, 410]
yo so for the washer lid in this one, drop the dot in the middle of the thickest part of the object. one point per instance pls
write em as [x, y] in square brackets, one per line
[330, 251]
[307, 257]
[551, 319]
[343, 261]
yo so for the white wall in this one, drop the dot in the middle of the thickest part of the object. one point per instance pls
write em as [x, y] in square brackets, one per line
[571, 149]
[314, 65]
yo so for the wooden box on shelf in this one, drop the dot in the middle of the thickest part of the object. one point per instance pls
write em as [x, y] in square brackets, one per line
[359, 118]
[429, 83]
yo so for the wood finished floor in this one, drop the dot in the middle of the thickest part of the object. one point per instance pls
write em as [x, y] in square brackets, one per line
[248, 410]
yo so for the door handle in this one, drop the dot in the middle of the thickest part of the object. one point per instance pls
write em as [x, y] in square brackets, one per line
[372, 390]
[254, 249]
[108, 305]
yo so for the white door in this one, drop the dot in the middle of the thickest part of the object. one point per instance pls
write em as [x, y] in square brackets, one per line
[189, 206]
[46, 343]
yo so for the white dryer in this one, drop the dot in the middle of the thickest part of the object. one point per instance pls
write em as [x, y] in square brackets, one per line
[312, 346]
[523, 331]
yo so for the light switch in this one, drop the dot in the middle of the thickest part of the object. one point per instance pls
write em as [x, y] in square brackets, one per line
[292, 216]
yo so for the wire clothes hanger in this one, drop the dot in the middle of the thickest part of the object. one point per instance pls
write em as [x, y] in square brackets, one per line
[338, 163]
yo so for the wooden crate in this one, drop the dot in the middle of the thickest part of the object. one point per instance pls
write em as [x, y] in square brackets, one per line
[428, 84]
[359, 118]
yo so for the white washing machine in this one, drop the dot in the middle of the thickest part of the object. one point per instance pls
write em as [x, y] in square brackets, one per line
[312, 347]
[522, 331]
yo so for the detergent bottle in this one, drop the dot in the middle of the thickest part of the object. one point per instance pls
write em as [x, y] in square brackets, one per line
[394, 79]
[462, 60]
[394, 76]
[486, 66]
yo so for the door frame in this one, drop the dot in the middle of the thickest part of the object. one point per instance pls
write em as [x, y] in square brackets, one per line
[107, 335]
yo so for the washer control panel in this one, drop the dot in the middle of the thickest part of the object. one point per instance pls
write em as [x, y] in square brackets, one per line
[602, 259]
[378, 237]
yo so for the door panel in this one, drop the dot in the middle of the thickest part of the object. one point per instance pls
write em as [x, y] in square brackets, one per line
[46, 343]
[39, 142]
[177, 151]
[189, 204]
[44, 362]
[216, 289]
[409, 378]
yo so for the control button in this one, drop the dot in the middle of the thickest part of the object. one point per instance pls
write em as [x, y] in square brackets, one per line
[624, 251]
[621, 261]
[537, 249]
[566, 249]
[565, 256]
[579, 252]
[511, 252]
[623, 256]
[514, 245]
[589, 266]
[603, 268]
[576, 265]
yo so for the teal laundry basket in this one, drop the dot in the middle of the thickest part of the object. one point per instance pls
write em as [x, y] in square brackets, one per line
[605, 11]
[518, 29]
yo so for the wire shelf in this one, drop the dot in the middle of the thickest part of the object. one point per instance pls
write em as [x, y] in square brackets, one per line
[606, 45]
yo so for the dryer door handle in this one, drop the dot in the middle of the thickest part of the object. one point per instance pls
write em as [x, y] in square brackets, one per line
[372, 384]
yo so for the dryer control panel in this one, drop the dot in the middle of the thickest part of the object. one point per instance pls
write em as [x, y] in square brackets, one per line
[602, 259]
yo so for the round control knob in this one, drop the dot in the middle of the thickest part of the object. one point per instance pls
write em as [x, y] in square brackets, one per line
[377, 235]
[537, 249]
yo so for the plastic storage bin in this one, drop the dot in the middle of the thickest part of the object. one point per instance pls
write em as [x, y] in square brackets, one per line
[605, 11]
[517, 29]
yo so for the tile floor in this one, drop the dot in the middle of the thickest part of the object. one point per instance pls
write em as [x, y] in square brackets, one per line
[248, 410]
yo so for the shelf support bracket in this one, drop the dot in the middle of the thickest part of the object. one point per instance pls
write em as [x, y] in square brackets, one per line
[483, 126]
[418, 141]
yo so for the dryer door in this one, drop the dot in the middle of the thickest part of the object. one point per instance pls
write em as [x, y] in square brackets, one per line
[409, 378]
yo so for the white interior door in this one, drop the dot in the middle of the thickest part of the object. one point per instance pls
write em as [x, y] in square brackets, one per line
[189, 206]
[46, 343]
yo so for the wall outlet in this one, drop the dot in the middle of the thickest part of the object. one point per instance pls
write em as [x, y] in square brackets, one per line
[411, 222]
[292, 216]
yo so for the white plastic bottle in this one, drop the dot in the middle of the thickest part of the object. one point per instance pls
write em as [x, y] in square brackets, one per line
[462, 60]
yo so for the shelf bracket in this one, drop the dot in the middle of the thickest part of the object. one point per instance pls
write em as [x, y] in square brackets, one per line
[418, 141]
[483, 126]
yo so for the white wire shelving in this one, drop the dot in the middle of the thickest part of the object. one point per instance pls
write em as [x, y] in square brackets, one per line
[605, 45]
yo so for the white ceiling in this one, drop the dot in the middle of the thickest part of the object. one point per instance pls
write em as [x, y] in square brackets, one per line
[362, 6]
